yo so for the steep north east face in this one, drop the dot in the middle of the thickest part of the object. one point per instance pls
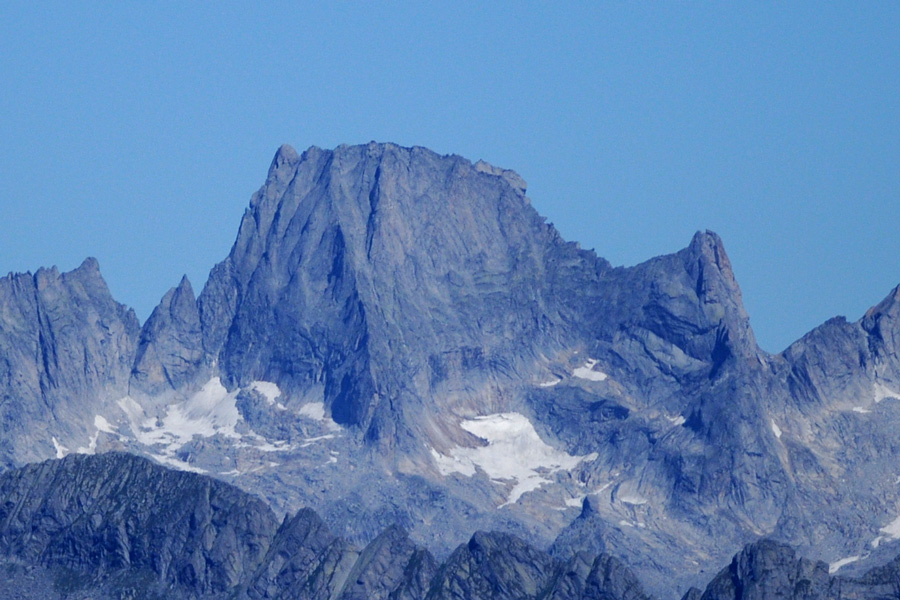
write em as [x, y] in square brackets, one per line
[395, 284]
[397, 336]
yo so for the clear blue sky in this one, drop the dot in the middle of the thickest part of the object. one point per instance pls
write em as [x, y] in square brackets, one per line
[136, 132]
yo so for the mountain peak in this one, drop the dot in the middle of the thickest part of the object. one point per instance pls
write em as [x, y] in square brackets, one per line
[708, 246]
[891, 304]
[718, 290]
[89, 264]
[351, 250]
[285, 153]
[511, 177]
[283, 162]
[185, 285]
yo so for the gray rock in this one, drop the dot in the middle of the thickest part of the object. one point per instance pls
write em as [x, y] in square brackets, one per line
[96, 516]
[603, 578]
[497, 566]
[305, 561]
[385, 276]
[410, 293]
[118, 526]
[391, 567]
[66, 347]
[768, 570]
[170, 350]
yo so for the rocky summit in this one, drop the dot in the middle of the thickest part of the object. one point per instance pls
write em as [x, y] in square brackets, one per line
[399, 342]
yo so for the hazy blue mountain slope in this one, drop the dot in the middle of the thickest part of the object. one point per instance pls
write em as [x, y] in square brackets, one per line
[397, 337]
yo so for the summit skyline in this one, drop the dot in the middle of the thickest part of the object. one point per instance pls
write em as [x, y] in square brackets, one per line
[136, 135]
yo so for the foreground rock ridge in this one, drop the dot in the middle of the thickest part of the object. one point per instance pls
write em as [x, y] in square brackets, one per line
[398, 339]
[119, 526]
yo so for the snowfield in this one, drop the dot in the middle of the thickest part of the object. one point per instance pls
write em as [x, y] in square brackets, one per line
[587, 371]
[514, 453]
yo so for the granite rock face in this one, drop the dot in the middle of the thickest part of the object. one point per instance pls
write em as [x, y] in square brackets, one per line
[766, 570]
[376, 277]
[63, 340]
[100, 515]
[170, 349]
[305, 561]
[494, 565]
[118, 526]
[391, 567]
[398, 338]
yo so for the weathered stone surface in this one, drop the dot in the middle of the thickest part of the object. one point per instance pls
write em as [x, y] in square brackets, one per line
[65, 347]
[390, 567]
[384, 275]
[305, 561]
[96, 516]
[767, 570]
[407, 295]
[118, 526]
[170, 350]
[494, 565]
[604, 577]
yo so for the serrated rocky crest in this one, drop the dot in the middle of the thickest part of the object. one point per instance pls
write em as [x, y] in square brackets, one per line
[398, 338]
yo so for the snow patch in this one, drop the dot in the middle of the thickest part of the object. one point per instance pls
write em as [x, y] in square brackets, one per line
[61, 450]
[587, 371]
[313, 440]
[892, 529]
[453, 463]
[776, 429]
[103, 425]
[861, 410]
[575, 502]
[676, 421]
[316, 412]
[633, 499]
[514, 452]
[91, 448]
[177, 463]
[882, 392]
[876, 542]
[277, 446]
[211, 411]
[267, 390]
[833, 567]
[602, 488]
[313, 410]
[551, 383]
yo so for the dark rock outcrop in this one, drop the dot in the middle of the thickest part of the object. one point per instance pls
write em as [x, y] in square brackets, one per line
[767, 570]
[391, 567]
[118, 526]
[305, 561]
[494, 565]
[100, 515]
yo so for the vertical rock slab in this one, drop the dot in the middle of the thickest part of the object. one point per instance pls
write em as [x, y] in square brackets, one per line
[65, 346]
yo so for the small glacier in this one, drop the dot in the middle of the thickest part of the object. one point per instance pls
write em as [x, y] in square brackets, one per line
[514, 453]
